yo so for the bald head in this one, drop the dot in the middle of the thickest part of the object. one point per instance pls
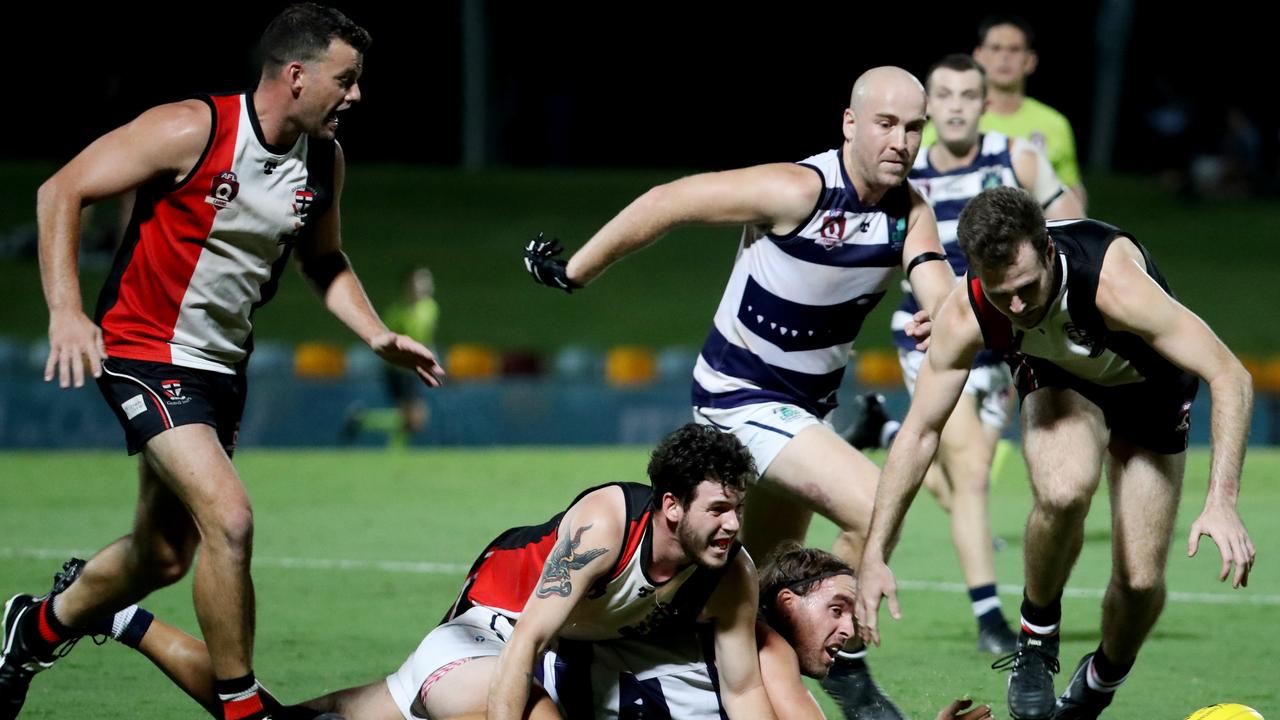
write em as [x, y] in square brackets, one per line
[882, 129]
[882, 83]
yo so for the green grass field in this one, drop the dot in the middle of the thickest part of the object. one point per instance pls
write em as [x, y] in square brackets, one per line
[470, 227]
[357, 555]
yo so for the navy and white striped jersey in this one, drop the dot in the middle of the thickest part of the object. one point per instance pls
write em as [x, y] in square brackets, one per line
[795, 302]
[947, 193]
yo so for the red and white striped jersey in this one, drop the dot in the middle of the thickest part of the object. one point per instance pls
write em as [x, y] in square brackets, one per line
[201, 255]
[623, 603]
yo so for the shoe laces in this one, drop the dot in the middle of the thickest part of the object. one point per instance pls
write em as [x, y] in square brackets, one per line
[1018, 659]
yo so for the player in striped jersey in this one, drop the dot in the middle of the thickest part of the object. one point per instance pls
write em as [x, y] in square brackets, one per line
[824, 240]
[1107, 363]
[228, 187]
[949, 172]
[623, 560]
[806, 613]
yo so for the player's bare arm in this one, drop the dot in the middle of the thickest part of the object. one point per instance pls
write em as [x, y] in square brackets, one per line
[1035, 174]
[329, 272]
[780, 671]
[926, 266]
[586, 548]
[955, 343]
[779, 197]
[164, 143]
[1131, 301]
[732, 609]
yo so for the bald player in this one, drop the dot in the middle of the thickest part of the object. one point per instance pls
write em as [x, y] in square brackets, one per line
[823, 238]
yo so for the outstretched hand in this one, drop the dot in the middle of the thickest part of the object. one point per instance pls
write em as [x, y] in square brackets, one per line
[408, 353]
[875, 581]
[1223, 524]
[541, 262]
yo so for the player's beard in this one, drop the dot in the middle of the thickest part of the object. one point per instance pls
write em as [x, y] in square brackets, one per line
[697, 547]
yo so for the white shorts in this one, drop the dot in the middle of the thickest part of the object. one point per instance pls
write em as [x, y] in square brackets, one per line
[765, 428]
[992, 385]
[479, 632]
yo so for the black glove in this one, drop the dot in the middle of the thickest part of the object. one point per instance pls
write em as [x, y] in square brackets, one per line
[547, 269]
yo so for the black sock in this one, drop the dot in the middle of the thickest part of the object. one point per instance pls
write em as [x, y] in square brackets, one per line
[1041, 619]
[1110, 672]
[41, 631]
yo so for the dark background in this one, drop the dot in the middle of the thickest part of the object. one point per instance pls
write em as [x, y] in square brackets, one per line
[662, 84]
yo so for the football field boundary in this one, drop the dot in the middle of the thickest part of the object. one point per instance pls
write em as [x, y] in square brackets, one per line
[439, 568]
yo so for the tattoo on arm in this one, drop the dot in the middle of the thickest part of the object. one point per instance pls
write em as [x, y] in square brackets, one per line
[564, 558]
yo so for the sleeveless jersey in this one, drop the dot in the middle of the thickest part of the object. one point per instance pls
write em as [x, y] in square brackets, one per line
[624, 603]
[1073, 335]
[201, 255]
[795, 302]
[947, 193]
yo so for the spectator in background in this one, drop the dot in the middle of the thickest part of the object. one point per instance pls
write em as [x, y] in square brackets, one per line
[415, 316]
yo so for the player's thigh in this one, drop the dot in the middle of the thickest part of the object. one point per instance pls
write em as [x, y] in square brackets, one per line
[162, 526]
[1064, 439]
[1145, 487]
[965, 449]
[772, 516]
[826, 474]
[450, 670]
[193, 464]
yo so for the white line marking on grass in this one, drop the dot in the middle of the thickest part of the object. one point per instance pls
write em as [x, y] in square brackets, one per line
[435, 568]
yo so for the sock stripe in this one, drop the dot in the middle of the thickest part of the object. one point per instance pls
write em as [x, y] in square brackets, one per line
[1045, 630]
[986, 605]
[1097, 684]
[45, 626]
[243, 707]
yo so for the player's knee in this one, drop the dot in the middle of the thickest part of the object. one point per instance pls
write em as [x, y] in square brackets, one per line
[1143, 586]
[163, 562]
[1064, 500]
[231, 530]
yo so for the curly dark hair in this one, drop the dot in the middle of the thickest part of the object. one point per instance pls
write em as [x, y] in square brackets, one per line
[303, 32]
[995, 224]
[694, 453]
[798, 569]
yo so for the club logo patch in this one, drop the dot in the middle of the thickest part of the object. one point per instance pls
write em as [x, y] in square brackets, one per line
[173, 392]
[831, 233]
[304, 198]
[223, 190]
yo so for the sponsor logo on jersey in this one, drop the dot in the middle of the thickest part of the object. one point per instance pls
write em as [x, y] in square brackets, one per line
[787, 413]
[991, 178]
[223, 190]
[831, 233]
[898, 234]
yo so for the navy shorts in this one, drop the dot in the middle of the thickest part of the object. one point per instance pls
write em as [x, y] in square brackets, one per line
[150, 397]
[1155, 414]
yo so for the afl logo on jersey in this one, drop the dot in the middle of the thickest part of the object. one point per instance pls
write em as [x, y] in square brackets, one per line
[224, 189]
[831, 233]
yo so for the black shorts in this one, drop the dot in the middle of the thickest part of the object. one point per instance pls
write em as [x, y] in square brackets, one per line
[1155, 414]
[150, 397]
